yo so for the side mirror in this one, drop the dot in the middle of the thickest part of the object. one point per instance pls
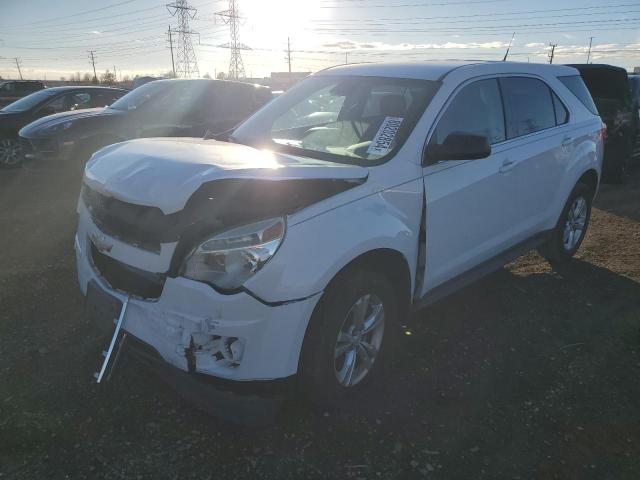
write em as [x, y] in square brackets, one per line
[459, 146]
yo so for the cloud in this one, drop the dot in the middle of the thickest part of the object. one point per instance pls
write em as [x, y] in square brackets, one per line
[534, 45]
[95, 32]
[350, 45]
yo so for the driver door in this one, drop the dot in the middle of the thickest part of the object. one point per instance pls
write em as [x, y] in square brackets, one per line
[471, 213]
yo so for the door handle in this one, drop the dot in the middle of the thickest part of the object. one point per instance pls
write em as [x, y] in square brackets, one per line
[506, 166]
[567, 141]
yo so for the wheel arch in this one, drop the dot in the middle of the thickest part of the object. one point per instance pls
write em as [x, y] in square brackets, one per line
[591, 179]
[387, 261]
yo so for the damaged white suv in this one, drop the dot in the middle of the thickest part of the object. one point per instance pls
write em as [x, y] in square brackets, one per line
[296, 246]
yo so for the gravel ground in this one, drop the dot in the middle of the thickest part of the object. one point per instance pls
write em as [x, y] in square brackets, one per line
[530, 373]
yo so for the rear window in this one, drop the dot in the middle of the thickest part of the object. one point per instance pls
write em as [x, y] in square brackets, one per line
[579, 89]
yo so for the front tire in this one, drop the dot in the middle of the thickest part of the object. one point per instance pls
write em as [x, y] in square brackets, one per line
[349, 339]
[567, 236]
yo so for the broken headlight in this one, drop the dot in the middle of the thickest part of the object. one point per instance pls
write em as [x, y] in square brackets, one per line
[230, 258]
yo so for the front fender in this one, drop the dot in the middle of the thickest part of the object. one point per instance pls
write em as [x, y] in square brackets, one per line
[315, 250]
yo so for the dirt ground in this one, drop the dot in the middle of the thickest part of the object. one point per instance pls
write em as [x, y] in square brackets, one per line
[529, 374]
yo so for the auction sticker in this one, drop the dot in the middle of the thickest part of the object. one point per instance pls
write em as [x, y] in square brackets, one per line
[381, 143]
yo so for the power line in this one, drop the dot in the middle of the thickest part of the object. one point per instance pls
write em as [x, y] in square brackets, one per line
[187, 61]
[232, 18]
[86, 12]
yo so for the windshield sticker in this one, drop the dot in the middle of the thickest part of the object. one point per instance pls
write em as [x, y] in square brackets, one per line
[381, 143]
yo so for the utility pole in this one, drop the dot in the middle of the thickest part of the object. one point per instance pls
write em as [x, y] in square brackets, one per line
[589, 54]
[92, 57]
[18, 66]
[288, 57]
[187, 62]
[173, 65]
[231, 17]
[551, 53]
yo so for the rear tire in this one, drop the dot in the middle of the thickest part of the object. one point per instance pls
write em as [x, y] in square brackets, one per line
[567, 236]
[347, 347]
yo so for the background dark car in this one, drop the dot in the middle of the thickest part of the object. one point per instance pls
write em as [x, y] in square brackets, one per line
[12, 90]
[634, 86]
[609, 87]
[162, 108]
[43, 103]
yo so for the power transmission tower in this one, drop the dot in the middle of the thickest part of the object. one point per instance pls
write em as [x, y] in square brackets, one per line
[18, 66]
[92, 57]
[173, 64]
[589, 54]
[187, 62]
[551, 53]
[232, 18]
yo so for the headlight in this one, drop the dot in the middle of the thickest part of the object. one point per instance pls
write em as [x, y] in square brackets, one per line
[59, 126]
[229, 259]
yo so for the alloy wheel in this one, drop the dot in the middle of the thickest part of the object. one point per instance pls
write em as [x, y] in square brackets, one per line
[575, 223]
[10, 151]
[359, 340]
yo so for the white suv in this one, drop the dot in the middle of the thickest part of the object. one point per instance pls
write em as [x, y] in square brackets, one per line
[296, 246]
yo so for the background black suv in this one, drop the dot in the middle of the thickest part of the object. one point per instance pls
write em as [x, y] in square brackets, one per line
[162, 108]
[609, 87]
[12, 90]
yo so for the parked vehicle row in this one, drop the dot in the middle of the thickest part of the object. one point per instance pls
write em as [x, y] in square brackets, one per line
[45, 103]
[295, 248]
[64, 123]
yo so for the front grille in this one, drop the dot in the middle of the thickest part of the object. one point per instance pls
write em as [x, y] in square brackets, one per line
[138, 225]
[126, 278]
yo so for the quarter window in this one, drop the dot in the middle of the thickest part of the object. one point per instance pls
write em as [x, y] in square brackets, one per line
[528, 105]
[562, 116]
[476, 109]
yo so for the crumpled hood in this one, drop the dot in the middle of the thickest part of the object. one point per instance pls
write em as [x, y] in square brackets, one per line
[72, 115]
[165, 172]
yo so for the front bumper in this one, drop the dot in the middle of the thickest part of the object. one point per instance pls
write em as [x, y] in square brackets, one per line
[184, 324]
[46, 149]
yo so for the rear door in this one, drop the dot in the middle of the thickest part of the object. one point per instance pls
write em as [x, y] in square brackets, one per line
[471, 213]
[540, 146]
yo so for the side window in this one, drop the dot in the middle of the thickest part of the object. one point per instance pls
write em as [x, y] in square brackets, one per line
[528, 105]
[477, 109]
[80, 100]
[562, 116]
[56, 105]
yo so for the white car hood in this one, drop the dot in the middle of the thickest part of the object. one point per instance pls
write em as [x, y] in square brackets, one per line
[165, 172]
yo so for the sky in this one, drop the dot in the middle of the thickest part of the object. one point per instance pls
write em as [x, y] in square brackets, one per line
[52, 39]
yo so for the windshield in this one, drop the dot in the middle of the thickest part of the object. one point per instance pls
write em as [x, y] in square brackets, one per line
[30, 101]
[141, 95]
[346, 119]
